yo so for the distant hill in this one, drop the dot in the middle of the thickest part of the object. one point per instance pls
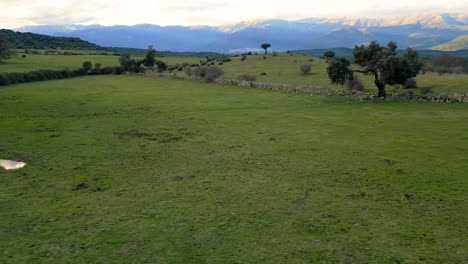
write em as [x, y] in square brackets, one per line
[420, 31]
[18, 40]
[459, 43]
[142, 52]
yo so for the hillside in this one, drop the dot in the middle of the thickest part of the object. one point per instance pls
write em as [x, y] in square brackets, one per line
[459, 43]
[420, 31]
[19, 40]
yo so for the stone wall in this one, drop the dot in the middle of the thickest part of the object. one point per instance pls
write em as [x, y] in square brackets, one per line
[363, 96]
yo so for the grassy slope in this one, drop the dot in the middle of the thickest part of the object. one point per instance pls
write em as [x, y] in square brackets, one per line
[284, 68]
[459, 43]
[186, 172]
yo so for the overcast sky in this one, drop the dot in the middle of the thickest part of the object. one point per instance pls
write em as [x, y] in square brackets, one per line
[16, 13]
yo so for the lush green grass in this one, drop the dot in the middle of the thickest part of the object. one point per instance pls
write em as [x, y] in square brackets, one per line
[284, 68]
[56, 62]
[187, 172]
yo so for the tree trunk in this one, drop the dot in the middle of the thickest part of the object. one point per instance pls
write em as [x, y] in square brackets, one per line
[266, 52]
[381, 88]
[379, 85]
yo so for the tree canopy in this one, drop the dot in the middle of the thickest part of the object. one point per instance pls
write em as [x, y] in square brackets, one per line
[384, 63]
[265, 46]
[150, 58]
[329, 54]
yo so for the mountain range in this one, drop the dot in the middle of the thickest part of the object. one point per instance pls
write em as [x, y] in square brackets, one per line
[423, 31]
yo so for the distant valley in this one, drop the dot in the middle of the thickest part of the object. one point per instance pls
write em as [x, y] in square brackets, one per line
[429, 31]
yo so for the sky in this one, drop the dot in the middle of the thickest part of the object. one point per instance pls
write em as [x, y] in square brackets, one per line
[17, 13]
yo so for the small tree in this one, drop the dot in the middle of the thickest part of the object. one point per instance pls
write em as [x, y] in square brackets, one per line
[305, 68]
[150, 58]
[127, 64]
[265, 46]
[329, 54]
[162, 66]
[87, 66]
[387, 67]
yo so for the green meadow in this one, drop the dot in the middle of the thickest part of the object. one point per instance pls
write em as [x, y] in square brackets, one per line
[132, 169]
[284, 68]
[34, 62]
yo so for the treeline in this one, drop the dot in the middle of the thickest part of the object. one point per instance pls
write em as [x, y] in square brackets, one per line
[348, 52]
[446, 64]
[18, 40]
[8, 78]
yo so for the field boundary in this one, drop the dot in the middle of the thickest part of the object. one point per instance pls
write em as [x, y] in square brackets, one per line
[363, 96]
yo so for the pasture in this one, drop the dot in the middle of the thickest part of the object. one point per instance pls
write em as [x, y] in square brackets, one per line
[131, 169]
[284, 68]
[34, 62]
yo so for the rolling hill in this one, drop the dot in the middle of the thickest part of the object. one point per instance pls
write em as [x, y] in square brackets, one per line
[456, 44]
[20, 40]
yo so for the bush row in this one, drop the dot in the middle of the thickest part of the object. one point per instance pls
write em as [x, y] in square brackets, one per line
[7, 78]
[446, 64]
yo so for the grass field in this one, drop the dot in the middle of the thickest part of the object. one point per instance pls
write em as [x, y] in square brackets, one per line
[57, 62]
[284, 68]
[128, 169]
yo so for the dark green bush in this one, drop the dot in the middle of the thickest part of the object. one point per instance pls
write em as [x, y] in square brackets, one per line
[4, 79]
[426, 90]
[410, 83]
[247, 77]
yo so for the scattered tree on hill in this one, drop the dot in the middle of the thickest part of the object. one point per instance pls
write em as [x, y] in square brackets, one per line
[387, 67]
[265, 46]
[150, 58]
[329, 54]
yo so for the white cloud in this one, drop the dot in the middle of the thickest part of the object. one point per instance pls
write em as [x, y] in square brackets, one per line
[192, 12]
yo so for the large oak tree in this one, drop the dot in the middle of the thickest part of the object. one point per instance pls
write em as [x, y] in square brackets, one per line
[384, 63]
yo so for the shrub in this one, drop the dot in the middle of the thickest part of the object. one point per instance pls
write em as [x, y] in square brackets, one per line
[4, 79]
[354, 84]
[243, 58]
[425, 90]
[188, 71]
[87, 66]
[209, 73]
[247, 77]
[162, 66]
[263, 73]
[305, 68]
[274, 53]
[410, 83]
